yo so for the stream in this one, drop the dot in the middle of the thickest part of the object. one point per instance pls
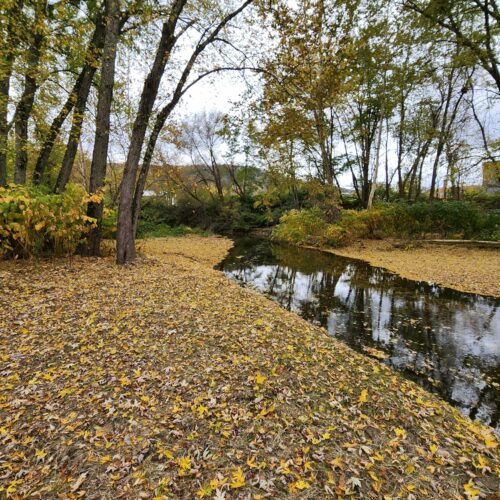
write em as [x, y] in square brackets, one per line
[445, 340]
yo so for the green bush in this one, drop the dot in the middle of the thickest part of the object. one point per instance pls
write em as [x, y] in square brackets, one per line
[233, 215]
[484, 199]
[302, 227]
[442, 219]
[108, 223]
[149, 230]
[36, 222]
[447, 219]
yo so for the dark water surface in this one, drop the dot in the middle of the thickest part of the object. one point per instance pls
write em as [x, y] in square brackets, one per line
[447, 341]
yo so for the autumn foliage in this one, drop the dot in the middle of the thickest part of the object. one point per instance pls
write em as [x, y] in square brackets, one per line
[34, 222]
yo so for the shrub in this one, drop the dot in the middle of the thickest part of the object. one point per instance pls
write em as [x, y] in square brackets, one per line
[301, 227]
[337, 236]
[449, 219]
[444, 219]
[108, 223]
[232, 215]
[149, 230]
[484, 199]
[35, 222]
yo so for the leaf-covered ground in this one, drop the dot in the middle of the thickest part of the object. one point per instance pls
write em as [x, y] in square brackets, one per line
[466, 269]
[164, 379]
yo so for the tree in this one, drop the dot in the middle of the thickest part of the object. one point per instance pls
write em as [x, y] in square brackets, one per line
[131, 191]
[101, 141]
[305, 78]
[475, 25]
[75, 102]
[10, 32]
[202, 141]
[31, 82]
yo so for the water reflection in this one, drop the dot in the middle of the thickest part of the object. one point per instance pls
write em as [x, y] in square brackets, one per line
[447, 341]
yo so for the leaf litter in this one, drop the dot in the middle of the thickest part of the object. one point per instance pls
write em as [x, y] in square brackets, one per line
[163, 379]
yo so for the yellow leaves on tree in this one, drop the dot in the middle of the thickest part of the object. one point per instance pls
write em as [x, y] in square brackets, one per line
[33, 222]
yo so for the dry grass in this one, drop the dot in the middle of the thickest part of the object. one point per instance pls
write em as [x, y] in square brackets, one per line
[164, 379]
[466, 269]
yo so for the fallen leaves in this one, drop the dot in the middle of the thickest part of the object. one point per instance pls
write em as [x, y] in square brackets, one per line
[363, 398]
[164, 379]
[238, 478]
[466, 269]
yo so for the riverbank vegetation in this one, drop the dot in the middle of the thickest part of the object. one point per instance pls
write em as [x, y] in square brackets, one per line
[412, 221]
[115, 387]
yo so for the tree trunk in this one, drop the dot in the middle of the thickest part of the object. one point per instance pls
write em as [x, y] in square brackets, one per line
[76, 99]
[125, 241]
[375, 171]
[326, 162]
[25, 105]
[400, 147]
[387, 180]
[445, 132]
[6, 63]
[101, 141]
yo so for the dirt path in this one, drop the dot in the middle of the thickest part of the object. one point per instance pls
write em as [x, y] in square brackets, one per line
[163, 379]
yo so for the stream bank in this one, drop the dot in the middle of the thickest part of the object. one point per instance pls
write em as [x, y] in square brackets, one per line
[463, 268]
[447, 341]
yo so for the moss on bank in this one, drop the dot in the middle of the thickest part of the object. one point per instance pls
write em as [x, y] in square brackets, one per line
[165, 379]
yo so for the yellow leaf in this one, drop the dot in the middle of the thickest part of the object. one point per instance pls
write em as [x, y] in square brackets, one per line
[215, 483]
[259, 378]
[490, 443]
[202, 410]
[363, 397]
[204, 491]
[400, 432]
[184, 463]
[238, 478]
[299, 485]
[470, 489]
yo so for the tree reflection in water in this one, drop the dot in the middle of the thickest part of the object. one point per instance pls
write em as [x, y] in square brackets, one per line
[447, 341]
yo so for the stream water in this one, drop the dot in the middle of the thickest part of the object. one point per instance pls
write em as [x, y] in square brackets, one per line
[447, 341]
